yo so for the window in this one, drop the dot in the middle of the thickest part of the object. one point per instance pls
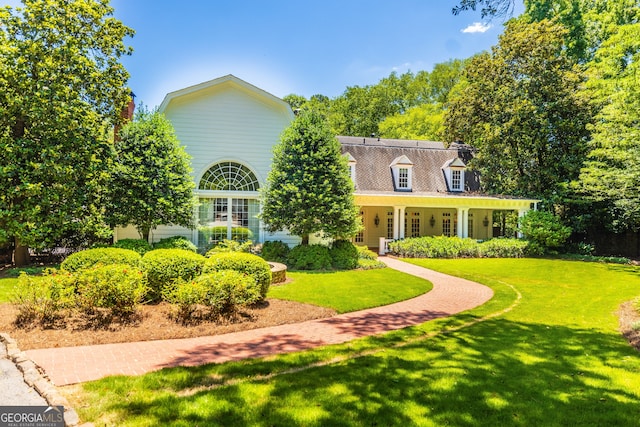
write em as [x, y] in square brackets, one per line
[223, 218]
[403, 178]
[390, 225]
[470, 226]
[401, 170]
[446, 224]
[229, 176]
[456, 180]
[415, 224]
[360, 236]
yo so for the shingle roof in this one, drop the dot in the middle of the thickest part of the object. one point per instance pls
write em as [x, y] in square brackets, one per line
[374, 156]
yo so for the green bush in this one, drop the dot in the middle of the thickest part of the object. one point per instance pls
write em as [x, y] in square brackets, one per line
[175, 242]
[105, 256]
[163, 266]
[455, 247]
[276, 251]
[139, 245]
[230, 246]
[365, 253]
[344, 255]
[504, 248]
[44, 300]
[117, 287]
[249, 264]
[219, 292]
[544, 229]
[309, 257]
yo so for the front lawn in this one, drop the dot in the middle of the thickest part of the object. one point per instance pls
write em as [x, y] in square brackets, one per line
[545, 352]
[346, 291]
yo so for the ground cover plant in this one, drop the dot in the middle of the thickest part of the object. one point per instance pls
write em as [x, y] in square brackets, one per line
[544, 351]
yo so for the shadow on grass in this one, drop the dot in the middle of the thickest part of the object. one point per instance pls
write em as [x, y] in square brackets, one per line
[497, 372]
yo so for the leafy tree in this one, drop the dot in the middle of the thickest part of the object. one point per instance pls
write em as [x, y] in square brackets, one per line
[523, 109]
[309, 189]
[151, 179]
[612, 170]
[422, 122]
[488, 8]
[61, 90]
[544, 229]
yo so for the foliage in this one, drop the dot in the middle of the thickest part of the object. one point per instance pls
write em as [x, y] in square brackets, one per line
[139, 245]
[249, 264]
[368, 260]
[220, 292]
[309, 188]
[276, 251]
[105, 256]
[61, 89]
[488, 8]
[175, 242]
[151, 179]
[421, 122]
[31, 271]
[544, 229]
[344, 255]
[230, 246]
[456, 247]
[44, 300]
[524, 111]
[309, 257]
[237, 233]
[116, 287]
[164, 266]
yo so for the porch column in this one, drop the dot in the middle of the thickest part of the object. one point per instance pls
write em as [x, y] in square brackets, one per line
[463, 223]
[398, 222]
[521, 213]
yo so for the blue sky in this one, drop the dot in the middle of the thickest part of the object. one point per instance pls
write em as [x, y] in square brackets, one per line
[304, 47]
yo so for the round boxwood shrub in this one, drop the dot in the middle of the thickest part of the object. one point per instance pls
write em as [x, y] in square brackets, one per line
[116, 287]
[309, 257]
[243, 262]
[176, 242]
[105, 256]
[275, 251]
[219, 293]
[344, 255]
[164, 266]
[139, 245]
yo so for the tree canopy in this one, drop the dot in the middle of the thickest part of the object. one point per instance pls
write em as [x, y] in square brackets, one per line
[62, 88]
[309, 189]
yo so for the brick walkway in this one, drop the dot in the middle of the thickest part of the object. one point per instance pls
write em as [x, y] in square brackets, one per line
[69, 365]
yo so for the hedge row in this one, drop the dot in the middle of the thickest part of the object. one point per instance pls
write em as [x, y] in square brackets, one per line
[456, 247]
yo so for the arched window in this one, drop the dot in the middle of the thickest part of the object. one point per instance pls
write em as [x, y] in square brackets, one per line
[229, 176]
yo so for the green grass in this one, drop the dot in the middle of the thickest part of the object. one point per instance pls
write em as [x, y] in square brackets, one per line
[346, 291]
[7, 287]
[544, 351]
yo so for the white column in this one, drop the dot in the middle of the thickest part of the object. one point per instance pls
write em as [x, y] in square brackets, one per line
[459, 221]
[402, 213]
[465, 222]
[521, 213]
[398, 222]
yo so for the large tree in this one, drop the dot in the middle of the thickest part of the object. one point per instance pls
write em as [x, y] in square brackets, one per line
[522, 108]
[151, 178]
[62, 88]
[309, 189]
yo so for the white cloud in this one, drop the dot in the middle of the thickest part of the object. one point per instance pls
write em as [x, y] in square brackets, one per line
[477, 27]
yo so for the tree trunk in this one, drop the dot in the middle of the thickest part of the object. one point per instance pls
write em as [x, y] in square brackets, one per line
[21, 255]
[305, 239]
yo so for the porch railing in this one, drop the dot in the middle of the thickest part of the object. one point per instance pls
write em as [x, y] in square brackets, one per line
[383, 247]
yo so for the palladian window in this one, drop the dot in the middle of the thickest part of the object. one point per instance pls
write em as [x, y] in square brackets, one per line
[229, 176]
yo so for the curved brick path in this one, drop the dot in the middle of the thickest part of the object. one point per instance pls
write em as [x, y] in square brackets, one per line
[69, 365]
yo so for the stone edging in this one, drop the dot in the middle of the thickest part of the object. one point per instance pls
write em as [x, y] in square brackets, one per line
[37, 380]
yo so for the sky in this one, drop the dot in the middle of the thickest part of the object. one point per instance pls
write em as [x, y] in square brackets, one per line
[303, 47]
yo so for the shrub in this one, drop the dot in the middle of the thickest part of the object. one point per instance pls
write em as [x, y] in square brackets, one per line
[504, 248]
[117, 287]
[175, 242]
[544, 229]
[365, 253]
[220, 292]
[163, 266]
[344, 255]
[309, 257]
[105, 256]
[249, 264]
[276, 251]
[230, 246]
[455, 247]
[139, 245]
[43, 300]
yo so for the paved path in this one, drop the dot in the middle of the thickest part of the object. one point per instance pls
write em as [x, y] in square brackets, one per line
[69, 365]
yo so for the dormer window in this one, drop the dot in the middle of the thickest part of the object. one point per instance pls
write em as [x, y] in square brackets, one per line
[454, 172]
[401, 169]
[351, 162]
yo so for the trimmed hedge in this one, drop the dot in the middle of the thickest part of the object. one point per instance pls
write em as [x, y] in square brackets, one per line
[456, 247]
[43, 300]
[139, 245]
[230, 246]
[249, 264]
[164, 266]
[276, 251]
[105, 256]
[117, 287]
[309, 257]
[344, 255]
[175, 242]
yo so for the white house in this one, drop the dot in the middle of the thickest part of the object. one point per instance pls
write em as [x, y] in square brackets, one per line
[404, 188]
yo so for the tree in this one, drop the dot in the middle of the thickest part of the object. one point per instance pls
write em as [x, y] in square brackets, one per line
[611, 173]
[422, 122]
[61, 91]
[489, 8]
[524, 111]
[151, 179]
[309, 189]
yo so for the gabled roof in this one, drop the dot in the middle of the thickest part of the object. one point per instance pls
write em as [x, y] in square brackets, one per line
[455, 163]
[230, 80]
[401, 161]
